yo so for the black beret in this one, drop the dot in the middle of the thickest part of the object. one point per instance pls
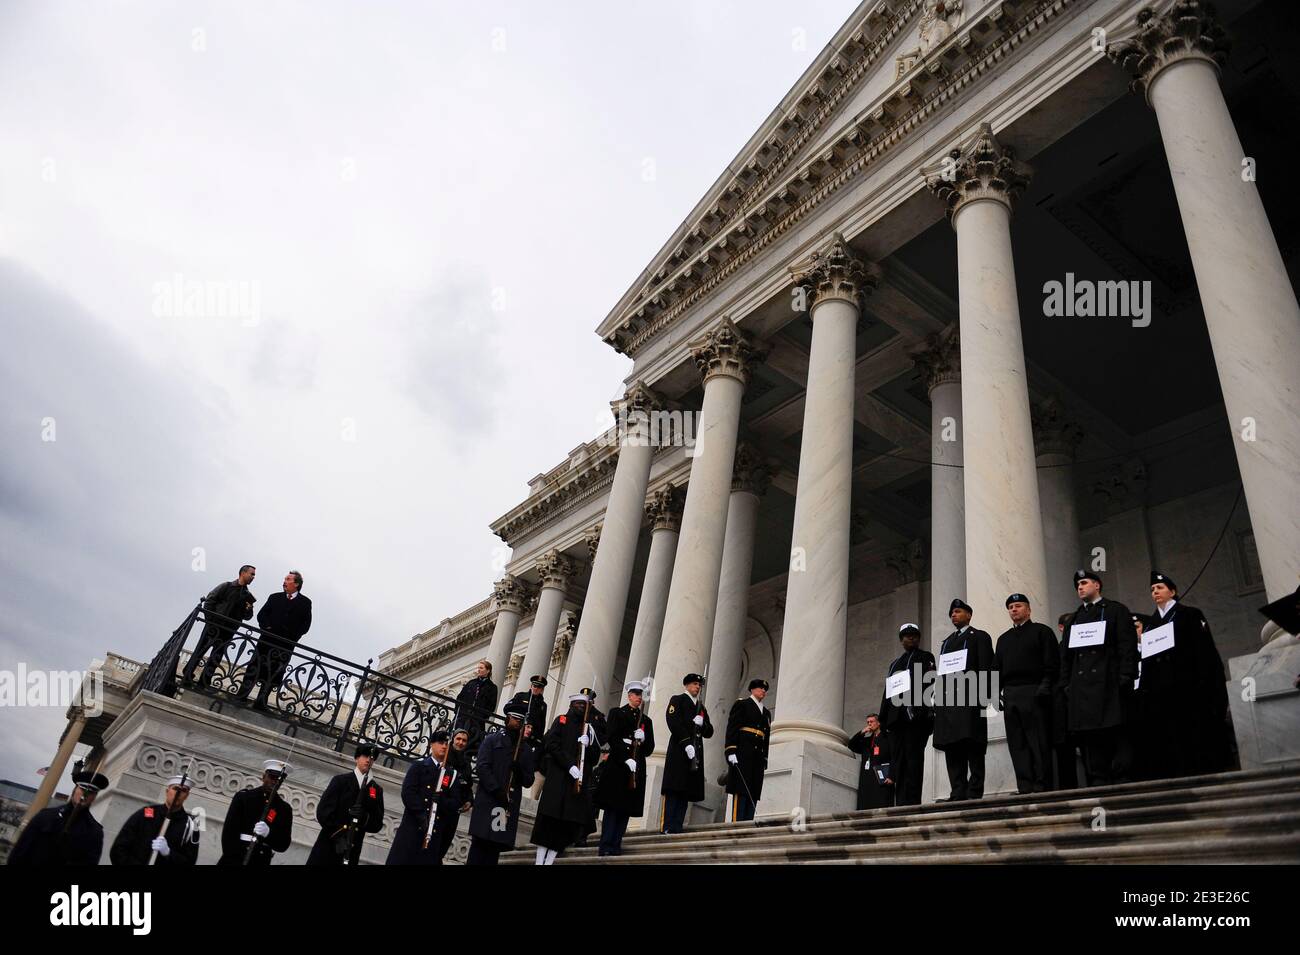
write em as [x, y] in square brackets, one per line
[757, 684]
[1159, 578]
[1086, 575]
[958, 602]
[438, 736]
[1016, 599]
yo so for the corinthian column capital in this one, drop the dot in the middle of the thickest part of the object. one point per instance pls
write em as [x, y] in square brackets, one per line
[511, 593]
[836, 273]
[637, 402]
[1055, 432]
[939, 359]
[983, 169]
[726, 350]
[554, 570]
[664, 509]
[1187, 30]
[749, 472]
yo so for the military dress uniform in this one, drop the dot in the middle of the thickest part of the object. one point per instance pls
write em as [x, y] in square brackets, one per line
[494, 821]
[683, 781]
[620, 794]
[565, 811]
[421, 793]
[1028, 663]
[252, 806]
[909, 722]
[351, 806]
[749, 725]
[135, 842]
[63, 835]
[961, 733]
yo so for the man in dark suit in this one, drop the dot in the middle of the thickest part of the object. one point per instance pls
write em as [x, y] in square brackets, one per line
[960, 730]
[1028, 664]
[749, 724]
[231, 600]
[351, 806]
[1099, 657]
[475, 701]
[284, 619]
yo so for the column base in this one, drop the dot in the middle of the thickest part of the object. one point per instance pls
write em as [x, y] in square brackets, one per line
[814, 731]
[810, 776]
[1264, 705]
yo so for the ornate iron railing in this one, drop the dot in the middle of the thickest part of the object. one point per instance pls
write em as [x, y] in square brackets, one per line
[309, 687]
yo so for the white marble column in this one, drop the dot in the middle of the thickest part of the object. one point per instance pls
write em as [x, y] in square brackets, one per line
[510, 594]
[724, 357]
[1056, 436]
[1250, 306]
[605, 607]
[810, 704]
[553, 571]
[940, 365]
[664, 512]
[726, 658]
[54, 775]
[1004, 524]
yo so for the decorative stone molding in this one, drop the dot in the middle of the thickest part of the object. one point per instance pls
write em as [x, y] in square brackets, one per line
[786, 194]
[511, 593]
[567, 487]
[1188, 30]
[750, 472]
[836, 273]
[637, 402]
[907, 561]
[554, 570]
[512, 669]
[726, 350]
[938, 21]
[1054, 431]
[1123, 486]
[592, 539]
[984, 169]
[939, 359]
[664, 509]
[565, 638]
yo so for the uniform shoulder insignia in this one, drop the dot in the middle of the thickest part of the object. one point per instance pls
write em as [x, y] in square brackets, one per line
[671, 708]
[564, 719]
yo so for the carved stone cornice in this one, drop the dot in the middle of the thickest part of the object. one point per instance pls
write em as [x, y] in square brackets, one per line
[554, 570]
[511, 593]
[939, 359]
[749, 473]
[1055, 432]
[566, 487]
[726, 350]
[1187, 30]
[835, 273]
[983, 169]
[664, 509]
[747, 220]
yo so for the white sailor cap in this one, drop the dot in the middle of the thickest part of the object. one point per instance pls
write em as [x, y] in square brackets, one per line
[182, 781]
[635, 686]
[277, 766]
[579, 698]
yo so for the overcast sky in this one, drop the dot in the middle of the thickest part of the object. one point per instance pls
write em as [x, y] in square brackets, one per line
[427, 207]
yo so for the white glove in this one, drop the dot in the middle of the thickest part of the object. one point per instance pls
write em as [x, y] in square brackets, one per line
[731, 758]
[699, 720]
[159, 845]
[639, 735]
[575, 772]
[690, 751]
[261, 829]
[631, 765]
[627, 742]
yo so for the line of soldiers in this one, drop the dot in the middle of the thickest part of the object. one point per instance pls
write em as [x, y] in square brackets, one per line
[1137, 696]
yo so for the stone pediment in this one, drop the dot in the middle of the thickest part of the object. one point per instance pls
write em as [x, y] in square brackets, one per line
[853, 101]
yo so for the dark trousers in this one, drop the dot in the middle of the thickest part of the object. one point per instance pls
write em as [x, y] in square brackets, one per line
[675, 812]
[742, 808]
[1099, 749]
[446, 835]
[1067, 765]
[909, 759]
[1025, 715]
[268, 665]
[965, 760]
[212, 639]
[613, 825]
[484, 852]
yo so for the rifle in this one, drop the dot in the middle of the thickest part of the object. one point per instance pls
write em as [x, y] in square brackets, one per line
[167, 817]
[354, 812]
[636, 747]
[510, 776]
[443, 768]
[699, 740]
[582, 747]
[270, 801]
